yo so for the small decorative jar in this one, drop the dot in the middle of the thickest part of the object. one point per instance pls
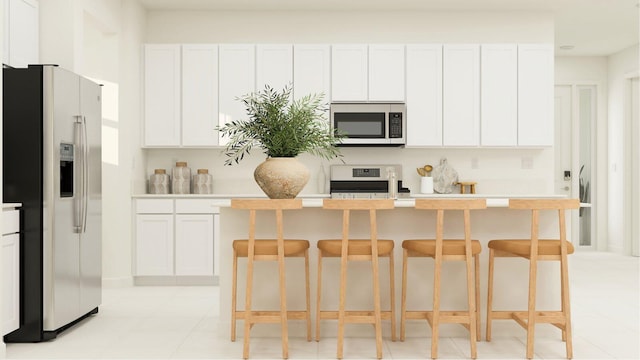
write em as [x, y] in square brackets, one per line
[159, 182]
[202, 182]
[181, 179]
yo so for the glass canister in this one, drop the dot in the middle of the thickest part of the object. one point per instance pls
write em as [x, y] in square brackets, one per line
[203, 182]
[159, 182]
[181, 179]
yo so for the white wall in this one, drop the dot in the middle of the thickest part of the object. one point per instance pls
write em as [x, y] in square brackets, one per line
[572, 70]
[620, 66]
[3, 347]
[499, 171]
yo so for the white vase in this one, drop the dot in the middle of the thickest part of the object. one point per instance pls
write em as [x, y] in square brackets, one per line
[281, 177]
[426, 185]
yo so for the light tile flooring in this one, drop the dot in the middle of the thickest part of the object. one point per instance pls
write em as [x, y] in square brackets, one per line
[181, 323]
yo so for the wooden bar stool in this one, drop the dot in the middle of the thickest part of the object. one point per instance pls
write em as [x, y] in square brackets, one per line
[273, 250]
[444, 250]
[536, 250]
[357, 250]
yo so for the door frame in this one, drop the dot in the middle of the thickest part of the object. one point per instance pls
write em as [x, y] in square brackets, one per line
[597, 242]
[631, 170]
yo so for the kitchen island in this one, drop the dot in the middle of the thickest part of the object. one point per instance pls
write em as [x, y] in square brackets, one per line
[403, 222]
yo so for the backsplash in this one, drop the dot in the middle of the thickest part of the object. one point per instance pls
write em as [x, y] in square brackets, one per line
[497, 171]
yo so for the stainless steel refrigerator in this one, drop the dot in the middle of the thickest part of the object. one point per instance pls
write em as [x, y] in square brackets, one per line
[52, 165]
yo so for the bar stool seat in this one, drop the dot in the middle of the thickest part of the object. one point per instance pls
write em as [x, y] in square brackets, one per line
[355, 247]
[270, 247]
[270, 250]
[522, 248]
[451, 247]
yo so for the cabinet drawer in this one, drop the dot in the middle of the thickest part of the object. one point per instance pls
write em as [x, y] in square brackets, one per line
[154, 206]
[10, 221]
[196, 206]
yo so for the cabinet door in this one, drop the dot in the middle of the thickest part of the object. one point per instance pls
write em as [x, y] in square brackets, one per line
[10, 283]
[499, 89]
[154, 245]
[274, 64]
[23, 32]
[386, 73]
[424, 95]
[535, 95]
[162, 95]
[461, 96]
[199, 95]
[194, 244]
[237, 78]
[349, 73]
[312, 71]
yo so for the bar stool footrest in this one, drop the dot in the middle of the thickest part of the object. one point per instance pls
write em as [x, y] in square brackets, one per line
[454, 317]
[555, 318]
[271, 316]
[355, 316]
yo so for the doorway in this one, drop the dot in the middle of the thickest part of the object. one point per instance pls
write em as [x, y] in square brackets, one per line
[632, 166]
[575, 118]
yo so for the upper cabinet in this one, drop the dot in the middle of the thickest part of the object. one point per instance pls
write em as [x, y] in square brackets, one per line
[499, 100]
[535, 95]
[274, 64]
[162, 87]
[386, 73]
[424, 95]
[237, 78]
[349, 73]
[461, 95]
[367, 73]
[199, 95]
[21, 29]
[312, 71]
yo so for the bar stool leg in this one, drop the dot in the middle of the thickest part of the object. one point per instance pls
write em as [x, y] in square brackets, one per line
[566, 308]
[247, 304]
[436, 308]
[392, 296]
[471, 304]
[343, 290]
[490, 295]
[234, 287]
[306, 276]
[318, 295]
[283, 300]
[376, 302]
[403, 300]
[531, 316]
[477, 280]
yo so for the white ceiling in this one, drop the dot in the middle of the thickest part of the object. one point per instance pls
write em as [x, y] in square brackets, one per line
[593, 27]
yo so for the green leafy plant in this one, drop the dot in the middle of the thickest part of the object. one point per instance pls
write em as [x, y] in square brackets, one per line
[282, 127]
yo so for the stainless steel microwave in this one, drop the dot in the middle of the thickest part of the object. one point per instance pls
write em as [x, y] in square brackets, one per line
[375, 124]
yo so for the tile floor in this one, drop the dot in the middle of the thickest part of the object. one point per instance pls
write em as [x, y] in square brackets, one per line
[180, 323]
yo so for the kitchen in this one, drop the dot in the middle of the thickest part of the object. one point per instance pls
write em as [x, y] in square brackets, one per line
[111, 50]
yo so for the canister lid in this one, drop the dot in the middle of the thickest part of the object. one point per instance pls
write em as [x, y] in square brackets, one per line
[159, 171]
[203, 171]
[181, 164]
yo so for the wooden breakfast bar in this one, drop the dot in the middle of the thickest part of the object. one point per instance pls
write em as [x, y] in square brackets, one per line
[403, 222]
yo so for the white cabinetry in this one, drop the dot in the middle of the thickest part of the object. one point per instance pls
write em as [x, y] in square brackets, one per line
[274, 64]
[154, 237]
[535, 95]
[174, 241]
[199, 95]
[10, 271]
[180, 95]
[499, 89]
[461, 95]
[237, 78]
[386, 73]
[424, 95]
[349, 73]
[162, 95]
[312, 71]
[21, 32]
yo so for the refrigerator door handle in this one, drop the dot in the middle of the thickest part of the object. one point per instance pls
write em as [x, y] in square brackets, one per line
[78, 208]
[85, 174]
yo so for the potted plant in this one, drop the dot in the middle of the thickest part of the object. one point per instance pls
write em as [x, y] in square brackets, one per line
[283, 128]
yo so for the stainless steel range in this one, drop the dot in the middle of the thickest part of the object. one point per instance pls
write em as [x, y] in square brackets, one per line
[366, 182]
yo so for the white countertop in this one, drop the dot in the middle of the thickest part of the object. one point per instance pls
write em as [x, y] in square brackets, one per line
[315, 200]
[11, 205]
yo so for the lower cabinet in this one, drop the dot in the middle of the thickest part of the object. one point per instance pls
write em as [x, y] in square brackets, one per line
[175, 238]
[10, 271]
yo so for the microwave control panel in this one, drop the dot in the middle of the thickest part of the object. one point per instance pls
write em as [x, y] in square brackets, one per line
[395, 125]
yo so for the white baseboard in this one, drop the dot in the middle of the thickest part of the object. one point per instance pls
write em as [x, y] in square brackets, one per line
[117, 282]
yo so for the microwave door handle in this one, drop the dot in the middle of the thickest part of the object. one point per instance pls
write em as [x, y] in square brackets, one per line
[78, 175]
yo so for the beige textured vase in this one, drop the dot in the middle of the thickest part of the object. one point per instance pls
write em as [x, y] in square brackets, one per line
[281, 177]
